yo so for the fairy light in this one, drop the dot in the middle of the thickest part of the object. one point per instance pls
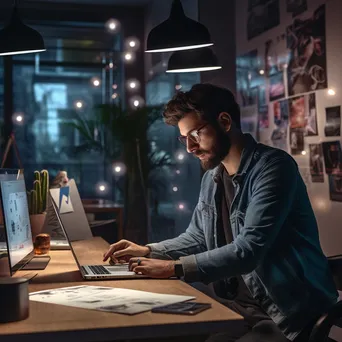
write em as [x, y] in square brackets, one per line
[331, 92]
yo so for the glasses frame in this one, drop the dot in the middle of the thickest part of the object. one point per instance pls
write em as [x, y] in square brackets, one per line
[193, 135]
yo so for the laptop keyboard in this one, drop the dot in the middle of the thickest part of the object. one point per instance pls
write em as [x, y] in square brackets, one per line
[98, 269]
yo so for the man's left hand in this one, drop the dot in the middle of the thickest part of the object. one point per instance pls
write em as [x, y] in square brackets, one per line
[153, 268]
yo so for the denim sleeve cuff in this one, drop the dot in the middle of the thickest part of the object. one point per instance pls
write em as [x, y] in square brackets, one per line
[157, 251]
[190, 269]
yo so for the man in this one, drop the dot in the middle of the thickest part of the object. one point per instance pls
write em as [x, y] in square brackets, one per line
[253, 233]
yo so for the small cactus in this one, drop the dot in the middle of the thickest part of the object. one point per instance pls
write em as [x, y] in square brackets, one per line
[44, 182]
[37, 198]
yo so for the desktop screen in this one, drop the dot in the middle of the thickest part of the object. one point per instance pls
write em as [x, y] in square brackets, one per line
[17, 220]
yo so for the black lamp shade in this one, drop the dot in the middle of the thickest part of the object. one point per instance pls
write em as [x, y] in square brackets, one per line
[17, 38]
[178, 32]
[193, 61]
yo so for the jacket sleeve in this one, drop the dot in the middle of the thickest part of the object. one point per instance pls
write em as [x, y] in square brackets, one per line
[272, 197]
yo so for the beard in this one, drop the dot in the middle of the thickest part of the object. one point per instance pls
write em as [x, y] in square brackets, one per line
[219, 151]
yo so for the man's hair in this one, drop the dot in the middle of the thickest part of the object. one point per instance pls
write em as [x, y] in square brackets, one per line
[206, 100]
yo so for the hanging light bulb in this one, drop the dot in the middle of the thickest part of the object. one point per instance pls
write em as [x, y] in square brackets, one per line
[193, 61]
[132, 44]
[113, 25]
[178, 32]
[133, 84]
[17, 38]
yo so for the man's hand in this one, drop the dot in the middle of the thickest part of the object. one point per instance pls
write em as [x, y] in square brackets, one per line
[153, 268]
[123, 250]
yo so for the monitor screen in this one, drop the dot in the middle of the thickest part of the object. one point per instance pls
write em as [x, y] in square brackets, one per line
[17, 222]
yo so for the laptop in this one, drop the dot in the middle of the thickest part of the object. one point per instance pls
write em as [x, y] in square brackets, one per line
[16, 219]
[72, 219]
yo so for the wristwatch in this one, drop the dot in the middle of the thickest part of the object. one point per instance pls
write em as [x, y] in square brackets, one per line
[179, 269]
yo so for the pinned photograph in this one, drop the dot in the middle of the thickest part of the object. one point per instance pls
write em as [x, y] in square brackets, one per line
[310, 115]
[332, 156]
[61, 197]
[262, 16]
[275, 51]
[333, 121]
[335, 187]
[296, 7]
[307, 67]
[297, 112]
[277, 86]
[296, 140]
[316, 163]
[281, 121]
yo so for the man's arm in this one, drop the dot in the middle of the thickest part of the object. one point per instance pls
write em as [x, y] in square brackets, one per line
[272, 198]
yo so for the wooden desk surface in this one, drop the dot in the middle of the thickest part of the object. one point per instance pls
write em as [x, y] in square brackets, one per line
[50, 322]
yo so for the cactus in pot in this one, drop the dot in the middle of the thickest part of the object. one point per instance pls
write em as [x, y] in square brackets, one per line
[37, 200]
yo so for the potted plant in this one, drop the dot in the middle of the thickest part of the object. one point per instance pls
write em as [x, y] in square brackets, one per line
[37, 200]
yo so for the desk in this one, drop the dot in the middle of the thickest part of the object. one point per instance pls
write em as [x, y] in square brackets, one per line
[50, 323]
[104, 206]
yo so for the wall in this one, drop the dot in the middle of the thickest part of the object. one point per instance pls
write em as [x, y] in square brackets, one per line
[219, 17]
[328, 213]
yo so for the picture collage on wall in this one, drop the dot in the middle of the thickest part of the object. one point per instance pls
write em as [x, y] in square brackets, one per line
[282, 78]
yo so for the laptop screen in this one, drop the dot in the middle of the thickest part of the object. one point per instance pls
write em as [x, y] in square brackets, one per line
[17, 222]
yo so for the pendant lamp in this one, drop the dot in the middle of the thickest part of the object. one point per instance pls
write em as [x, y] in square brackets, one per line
[17, 38]
[178, 32]
[193, 61]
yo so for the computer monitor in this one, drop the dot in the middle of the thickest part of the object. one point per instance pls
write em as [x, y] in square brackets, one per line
[17, 222]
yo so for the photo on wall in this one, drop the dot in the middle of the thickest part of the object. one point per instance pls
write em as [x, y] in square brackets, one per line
[311, 128]
[296, 140]
[246, 70]
[316, 163]
[275, 55]
[262, 102]
[335, 187]
[281, 121]
[264, 121]
[277, 86]
[332, 156]
[333, 121]
[296, 7]
[262, 16]
[297, 112]
[307, 67]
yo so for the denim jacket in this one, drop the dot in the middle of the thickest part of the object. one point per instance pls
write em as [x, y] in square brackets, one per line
[276, 245]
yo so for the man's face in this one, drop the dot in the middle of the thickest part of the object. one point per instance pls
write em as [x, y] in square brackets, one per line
[213, 145]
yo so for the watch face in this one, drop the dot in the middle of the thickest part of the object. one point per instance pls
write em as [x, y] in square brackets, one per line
[179, 270]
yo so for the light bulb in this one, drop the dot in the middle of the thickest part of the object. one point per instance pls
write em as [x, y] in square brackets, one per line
[180, 156]
[261, 72]
[117, 169]
[132, 85]
[175, 189]
[111, 65]
[178, 86]
[102, 188]
[132, 43]
[96, 82]
[128, 56]
[136, 103]
[19, 118]
[303, 153]
[115, 86]
[114, 96]
[181, 206]
[178, 172]
[79, 104]
[331, 92]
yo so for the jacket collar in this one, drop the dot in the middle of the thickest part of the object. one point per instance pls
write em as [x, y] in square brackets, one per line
[246, 159]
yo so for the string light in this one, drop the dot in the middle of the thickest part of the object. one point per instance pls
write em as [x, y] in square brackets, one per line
[19, 118]
[95, 81]
[115, 86]
[180, 156]
[79, 104]
[119, 168]
[261, 72]
[331, 92]
[133, 84]
[111, 65]
[113, 25]
[129, 56]
[136, 102]
[178, 86]
[181, 206]
[102, 188]
[114, 96]
[178, 172]
[132, 43]
[175, 189]
[303, 153]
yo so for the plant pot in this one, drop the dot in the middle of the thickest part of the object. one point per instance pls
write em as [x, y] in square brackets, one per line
[37, 224]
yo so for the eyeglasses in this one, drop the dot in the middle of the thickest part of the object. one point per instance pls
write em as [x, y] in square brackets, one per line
[193, 135]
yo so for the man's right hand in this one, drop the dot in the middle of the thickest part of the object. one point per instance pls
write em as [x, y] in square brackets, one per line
[124, 250]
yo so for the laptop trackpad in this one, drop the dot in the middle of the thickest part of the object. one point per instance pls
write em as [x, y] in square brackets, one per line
[37, 263]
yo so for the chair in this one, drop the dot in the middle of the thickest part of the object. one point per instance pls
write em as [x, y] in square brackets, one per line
[321, 330]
